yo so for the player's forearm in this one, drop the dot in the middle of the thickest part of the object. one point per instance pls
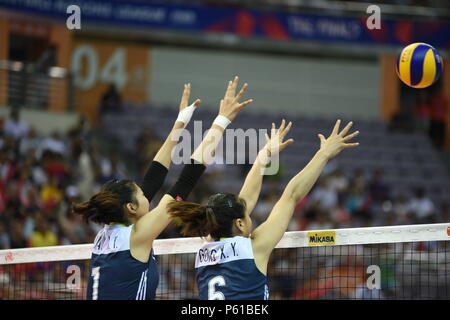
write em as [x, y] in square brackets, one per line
[164, 155]
[206, 150]
[301, 184]
[253, 181]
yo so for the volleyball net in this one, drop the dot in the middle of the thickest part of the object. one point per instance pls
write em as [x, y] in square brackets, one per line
[395, 262]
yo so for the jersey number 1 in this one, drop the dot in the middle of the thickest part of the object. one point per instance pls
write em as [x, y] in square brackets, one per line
[212, 293]
[96, 274]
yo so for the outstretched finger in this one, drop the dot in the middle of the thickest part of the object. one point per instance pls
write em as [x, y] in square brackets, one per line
[233, 87]
[351, 145]
[345, 130]
[336, 127]
[282, 125]
[286, 143]
[273, 130]
[244, 104]
[286, 130]
[321, 137]
[228, 92]
[185, 97]
[241, 93]
[351, 136]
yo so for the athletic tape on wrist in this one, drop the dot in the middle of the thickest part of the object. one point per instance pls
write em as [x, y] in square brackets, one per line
[186, 114]
[222, 121]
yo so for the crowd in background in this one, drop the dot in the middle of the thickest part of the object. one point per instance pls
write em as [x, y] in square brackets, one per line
[41, 175]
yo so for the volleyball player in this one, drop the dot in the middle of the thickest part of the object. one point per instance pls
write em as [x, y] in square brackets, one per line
[123, 264]
[233, 265]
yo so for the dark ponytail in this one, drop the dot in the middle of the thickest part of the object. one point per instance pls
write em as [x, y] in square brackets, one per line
[215, 219]
[107, 205]
[196, 220]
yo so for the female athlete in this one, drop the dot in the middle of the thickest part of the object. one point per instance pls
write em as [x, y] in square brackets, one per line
[232, 265]
[123, 264]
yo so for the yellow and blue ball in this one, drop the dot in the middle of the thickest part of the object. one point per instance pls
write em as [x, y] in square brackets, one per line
[419, 65]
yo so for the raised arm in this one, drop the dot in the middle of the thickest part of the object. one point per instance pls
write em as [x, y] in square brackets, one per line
[252, 186]
[269, 233]
[153, 223]
[157, 171]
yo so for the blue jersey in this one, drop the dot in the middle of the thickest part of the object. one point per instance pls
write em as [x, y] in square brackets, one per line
[115, 274]
[226, 270]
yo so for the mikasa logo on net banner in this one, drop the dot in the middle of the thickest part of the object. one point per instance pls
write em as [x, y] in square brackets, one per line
[240, 147]
[321, 238]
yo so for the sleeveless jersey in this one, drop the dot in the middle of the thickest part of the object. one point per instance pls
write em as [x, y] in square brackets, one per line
[226, 270]
[115, 274]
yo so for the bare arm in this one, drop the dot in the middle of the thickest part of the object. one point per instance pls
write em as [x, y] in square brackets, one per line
[269, 233]
[252, 186]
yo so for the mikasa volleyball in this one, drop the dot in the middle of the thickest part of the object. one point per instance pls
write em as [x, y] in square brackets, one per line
[419, 65]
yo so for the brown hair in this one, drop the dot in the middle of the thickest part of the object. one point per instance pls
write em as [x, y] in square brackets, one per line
[215, 219]
[107, 205]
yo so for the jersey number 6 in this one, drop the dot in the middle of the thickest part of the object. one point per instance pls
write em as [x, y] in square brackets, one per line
[212, 293]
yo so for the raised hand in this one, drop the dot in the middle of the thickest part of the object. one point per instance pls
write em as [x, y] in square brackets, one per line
[229, 105]
[335, 143]
[185, 98]
[274, 143]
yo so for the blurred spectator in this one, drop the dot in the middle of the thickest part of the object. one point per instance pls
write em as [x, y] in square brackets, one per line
[401, 210]
[43, 236]
[51, 194]
[421, 207]
[146, 146]
[445, 213]
[263, 208]
[338, 181]
[4, 237]
[30, 142]
[14, 127]
[358, 204]
[325, 195]
[438, 112]
[80, 131]
[54, 143]
[341, 216]
[422, 111]
[378, 189]
[17, 235]
[112, 168]
[111, 101]
[322, 222]
[86, 175]
[8, 168]
[54, 166]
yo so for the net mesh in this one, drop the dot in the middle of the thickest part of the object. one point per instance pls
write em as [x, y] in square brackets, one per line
[374, 263]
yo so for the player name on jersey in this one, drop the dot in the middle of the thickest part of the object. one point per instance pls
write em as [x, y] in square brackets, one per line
[222, 252]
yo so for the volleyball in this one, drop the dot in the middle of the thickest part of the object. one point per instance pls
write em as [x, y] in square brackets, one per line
[419, 65]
